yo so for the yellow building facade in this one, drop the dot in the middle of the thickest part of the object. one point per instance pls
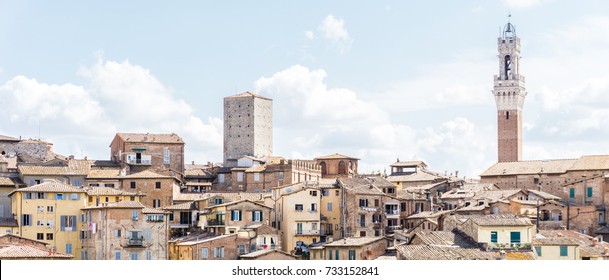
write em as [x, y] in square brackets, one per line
[49, 212]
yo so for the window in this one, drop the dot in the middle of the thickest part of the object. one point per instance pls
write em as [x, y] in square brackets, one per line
[376, 203]
[324, 170]
[166, 156]
[68, 248]
[239, 176]
[109, 185]
[77, 182]
[256, 177]
[219, 252]
[515, 237]
[329, 206]
[336, 254]
[204, 253]
[134, 256]
[362, 234]
[157, 185]
[363, 203]
[28, 195]
[337, 192]
[59, 196]
[342, 168]
[572, 193]
[171, 217]
[40, 209]
[351, 254]
[325, 192]
[538, 250]
[68, 223]
[221, 178]
[257, 216]
[156, 203]
[50, 224]
[148, 255]
[117, 233]
[493, 237]
[298, 207]
[49, 236]
[117, 255]
[241, 249]
[134, 215]
[298, 228]
[39, 236]
[313, 193]
[132, 184]
[280, 175]
[536, 181]
[236, 215]
[563, 251]
[218, 200]
[26, 219]
[313, 207]
[74, 196]
[362, 220]
[50, 209]
[402, 206]
[589, 192]
[40, 223]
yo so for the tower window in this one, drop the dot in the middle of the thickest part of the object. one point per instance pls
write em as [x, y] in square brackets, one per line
[507, 115]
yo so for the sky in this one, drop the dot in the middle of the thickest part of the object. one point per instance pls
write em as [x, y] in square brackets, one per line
[376, 80]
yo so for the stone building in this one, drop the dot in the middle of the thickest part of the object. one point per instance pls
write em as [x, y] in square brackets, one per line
[337, 166]
[157, 188]
[71, 171]
[248, 127]
[298, 215]
[230, 217]
[13, 247]
[27, 150]
[364, 208]
[351, 248]
[161, 153]
[509, 95]
[125, 230]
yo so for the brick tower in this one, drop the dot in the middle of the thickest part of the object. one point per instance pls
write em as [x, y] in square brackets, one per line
[509, 95]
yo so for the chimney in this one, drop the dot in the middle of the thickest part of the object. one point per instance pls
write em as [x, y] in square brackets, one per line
[594, 242]
[85, 157]
[71, 157]
[456, 173]
[193, 162]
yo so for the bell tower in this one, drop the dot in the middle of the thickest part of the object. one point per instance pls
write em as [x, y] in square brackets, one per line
[509, 95]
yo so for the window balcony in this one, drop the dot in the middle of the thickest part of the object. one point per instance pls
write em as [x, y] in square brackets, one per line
[326, 233]
[134, 242]
[314, 232]
[215, 223]
[133, 159]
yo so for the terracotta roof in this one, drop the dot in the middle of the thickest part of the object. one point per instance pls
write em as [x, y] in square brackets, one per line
[4, 138]
[260, 253]
[237, 202]
[51, 186]
[150, 138]
[109, 173]
[5, 181]
[109, 191]
[498, 220]
[205, 239]
[427, 214]
[29, 252]
[335, 156]
[408, 163]
[544, 195]
[360, 185]
[145, 175]
[128, 204]
[198, 172]
[8, 222]
[592, 162]
[428, 252]
[353, 241]
[584, 241]
[182, 206]
[473, 207]
[148, 210]
[554, 241]
[556, 166]
[424, 187]
[419, 176]
[443, 238]
[496, 195]
[247, 94]
[73, 167]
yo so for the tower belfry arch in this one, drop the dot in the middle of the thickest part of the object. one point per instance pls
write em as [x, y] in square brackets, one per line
[509, 92]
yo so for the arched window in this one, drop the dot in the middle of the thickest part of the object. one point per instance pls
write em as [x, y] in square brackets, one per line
[508, 67]
[342, 168]
[324, 171]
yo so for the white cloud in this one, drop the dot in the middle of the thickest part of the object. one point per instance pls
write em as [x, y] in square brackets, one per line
[119, 97]
[312, 120]
[309, 34]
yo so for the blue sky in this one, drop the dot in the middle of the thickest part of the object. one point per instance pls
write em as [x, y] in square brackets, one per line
[377, 80]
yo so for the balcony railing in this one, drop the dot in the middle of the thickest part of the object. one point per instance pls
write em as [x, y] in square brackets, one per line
[391, 229]
[308, 232]
[392, 212]
[326, 232]
[135, 242]
[143, 160]
[216, 223]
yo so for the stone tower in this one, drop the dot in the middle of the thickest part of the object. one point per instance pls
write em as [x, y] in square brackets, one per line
[248, 127]
[509, 95]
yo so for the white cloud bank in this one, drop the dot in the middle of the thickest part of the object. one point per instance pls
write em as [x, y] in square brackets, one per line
[119, 97]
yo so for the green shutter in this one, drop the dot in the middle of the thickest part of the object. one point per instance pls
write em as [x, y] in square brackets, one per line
[572, 193]
[493, 237]
[515, 237]
[538, 249]
[336, 254]
[563, 251]
[589, 191]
